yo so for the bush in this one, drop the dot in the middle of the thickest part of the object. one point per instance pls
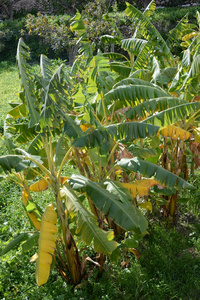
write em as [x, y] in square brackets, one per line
[11, 31]
[9, 36]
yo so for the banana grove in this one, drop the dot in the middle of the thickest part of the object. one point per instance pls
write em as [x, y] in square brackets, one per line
[127, 124]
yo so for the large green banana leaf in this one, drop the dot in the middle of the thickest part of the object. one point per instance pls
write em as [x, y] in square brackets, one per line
[194, 71]
[130, 94]
[142, 152]
[149, 10]
[136, 81]
[123, 131]
[153, 105]
[120, 68]
[148, 169]
[178, 31]
[56, 99]
[72, 127]
[27, 82]
[144, 56]
[9, 162]
[133, 45]
[173, 114]
[87, 225]
[118, 208]
[147, 29]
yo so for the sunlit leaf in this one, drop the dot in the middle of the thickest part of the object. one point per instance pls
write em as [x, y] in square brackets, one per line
[114, 204]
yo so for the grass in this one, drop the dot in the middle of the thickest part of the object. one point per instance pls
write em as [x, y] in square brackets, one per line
[169, 266]
[9, 86]
[175, 15]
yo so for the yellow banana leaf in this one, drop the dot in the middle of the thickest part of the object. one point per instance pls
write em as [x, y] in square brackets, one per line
[175, 133]
[42, 185]
[189, 36]
[140, 186]
[47, 243]
[39, 186]
[146, 205]
[85, 126]
[34, 217]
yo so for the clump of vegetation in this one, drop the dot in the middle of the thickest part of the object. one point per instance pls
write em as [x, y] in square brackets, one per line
[128, 125]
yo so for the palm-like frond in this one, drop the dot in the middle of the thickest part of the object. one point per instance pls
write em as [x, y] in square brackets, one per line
[55, 94]
[133, 45]
[135, 81]
[144, 56]
[149, 10]
[45, 67]
[194, 71]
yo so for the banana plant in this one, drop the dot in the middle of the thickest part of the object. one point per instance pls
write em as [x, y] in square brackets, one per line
[70, 117]
[45, 138]
[139, 94]
[43, 154]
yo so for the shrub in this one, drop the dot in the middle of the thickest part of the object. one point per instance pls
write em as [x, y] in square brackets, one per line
[9, 35]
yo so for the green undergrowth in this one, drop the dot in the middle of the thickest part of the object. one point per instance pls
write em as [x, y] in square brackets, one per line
[9, 86]
[169, 266]
[174, 14]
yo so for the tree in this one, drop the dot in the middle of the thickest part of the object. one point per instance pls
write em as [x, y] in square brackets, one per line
[7, 8]
[54, 31]
[145, 3]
